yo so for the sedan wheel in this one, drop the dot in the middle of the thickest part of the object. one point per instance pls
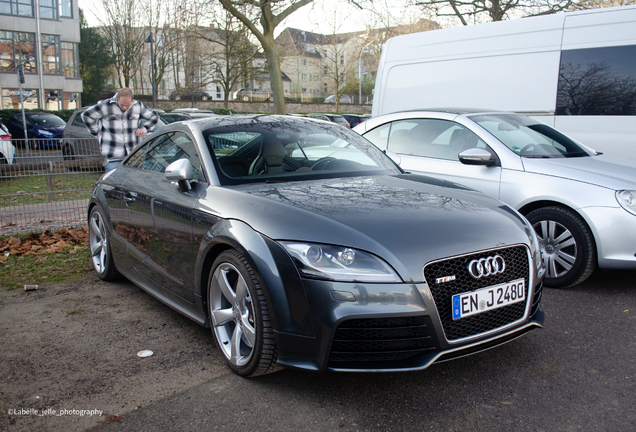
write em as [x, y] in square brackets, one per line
[567, 246]
[99, 244]
[239, 316]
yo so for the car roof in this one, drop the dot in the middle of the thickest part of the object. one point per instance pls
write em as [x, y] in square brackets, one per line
[458, 111]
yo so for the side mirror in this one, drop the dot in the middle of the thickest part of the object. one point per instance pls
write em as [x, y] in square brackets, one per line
[182, 172]
[477, 156]
[394, 156]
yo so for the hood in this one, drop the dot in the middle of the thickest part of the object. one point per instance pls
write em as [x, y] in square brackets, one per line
[408, 220]
[604, 171]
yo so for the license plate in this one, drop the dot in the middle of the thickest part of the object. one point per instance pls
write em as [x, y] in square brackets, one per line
[489, 298]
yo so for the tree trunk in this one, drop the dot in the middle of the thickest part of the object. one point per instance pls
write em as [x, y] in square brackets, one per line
[273, 66]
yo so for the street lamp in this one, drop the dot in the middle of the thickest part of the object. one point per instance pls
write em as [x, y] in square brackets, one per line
[360, 73]
[150, 40]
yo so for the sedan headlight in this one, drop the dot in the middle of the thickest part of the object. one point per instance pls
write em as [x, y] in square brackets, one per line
[339, 263]
[627, 200]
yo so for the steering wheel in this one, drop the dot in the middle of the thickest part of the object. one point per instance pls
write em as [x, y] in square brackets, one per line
[321, 163]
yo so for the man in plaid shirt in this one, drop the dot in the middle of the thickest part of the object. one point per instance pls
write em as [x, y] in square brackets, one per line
[118, 123]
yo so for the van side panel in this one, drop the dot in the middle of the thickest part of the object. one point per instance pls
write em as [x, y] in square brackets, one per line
[520, 82]
[477, 56]
[605, 27]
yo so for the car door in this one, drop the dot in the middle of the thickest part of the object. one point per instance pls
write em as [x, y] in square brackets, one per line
[161, 246]
[431, 147]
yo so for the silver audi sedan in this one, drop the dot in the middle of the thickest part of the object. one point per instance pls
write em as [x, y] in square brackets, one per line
[581, 203]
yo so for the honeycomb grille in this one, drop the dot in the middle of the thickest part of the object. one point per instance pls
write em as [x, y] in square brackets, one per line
[381, 339]
[517, 267]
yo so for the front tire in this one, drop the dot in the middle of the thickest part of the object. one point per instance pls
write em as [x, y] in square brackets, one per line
[239, 316]
[99, 243]
[567, 246]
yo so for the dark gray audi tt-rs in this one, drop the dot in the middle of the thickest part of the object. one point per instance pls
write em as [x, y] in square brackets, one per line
[302, 245]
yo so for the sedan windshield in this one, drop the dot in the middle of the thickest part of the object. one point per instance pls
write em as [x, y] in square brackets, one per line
[263, 149]
[47, 120]
[529, 138]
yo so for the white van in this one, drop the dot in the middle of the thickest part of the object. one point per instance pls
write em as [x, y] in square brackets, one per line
[574, 71]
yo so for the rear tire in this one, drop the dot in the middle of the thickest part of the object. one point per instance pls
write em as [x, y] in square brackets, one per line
[239, 316]
[567, 246]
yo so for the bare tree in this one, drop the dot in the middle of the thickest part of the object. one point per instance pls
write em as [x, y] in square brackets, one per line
[122, 24]
[493, 10]
[269, 13]
[229, 56]
[340, 54]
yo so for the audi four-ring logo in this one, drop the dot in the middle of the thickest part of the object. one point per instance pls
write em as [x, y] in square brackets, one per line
[486, 266]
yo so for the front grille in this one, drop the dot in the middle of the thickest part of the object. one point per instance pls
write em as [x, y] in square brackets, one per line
[381, 339]
[517, 267]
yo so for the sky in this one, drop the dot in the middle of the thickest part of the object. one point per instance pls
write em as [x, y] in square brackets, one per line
[322, 16]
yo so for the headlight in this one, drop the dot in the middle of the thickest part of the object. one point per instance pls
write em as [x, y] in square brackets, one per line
[627, 200]
[339, 263]
[46, 133]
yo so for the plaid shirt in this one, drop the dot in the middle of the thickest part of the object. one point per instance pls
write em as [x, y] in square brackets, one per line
[114, 128]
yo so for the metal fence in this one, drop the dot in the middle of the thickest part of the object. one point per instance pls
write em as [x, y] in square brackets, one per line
[47, 183]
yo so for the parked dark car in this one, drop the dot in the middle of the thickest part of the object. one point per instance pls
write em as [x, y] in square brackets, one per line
[77, 140]
[354, 119]
[190, 95]
[341, 262]
[44, 129]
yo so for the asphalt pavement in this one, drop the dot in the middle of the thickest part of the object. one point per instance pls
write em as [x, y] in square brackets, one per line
[578, 373]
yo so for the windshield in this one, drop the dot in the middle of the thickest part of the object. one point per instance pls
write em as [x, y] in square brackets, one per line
[269, 148]
[47, 120]
[529, 138]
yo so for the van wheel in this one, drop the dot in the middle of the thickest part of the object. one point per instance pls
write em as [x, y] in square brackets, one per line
[567, 246]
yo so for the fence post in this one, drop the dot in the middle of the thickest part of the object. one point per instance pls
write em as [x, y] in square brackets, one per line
[50, 183]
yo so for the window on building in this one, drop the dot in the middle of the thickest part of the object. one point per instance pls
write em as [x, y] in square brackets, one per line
[304, 77]
[66, 8]
[303, 62]
[48, 9]
[325, 70]
[219, 92]
[11, 98]
[325, 87]
[304, 90]
[70, 65]
[50, 54]
[17, 7]
[16, 47]
[342, 59]
[71, 102]
[52, 100]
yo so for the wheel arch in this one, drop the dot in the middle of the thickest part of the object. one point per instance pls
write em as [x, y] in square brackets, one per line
[529, 207]
[287, 301]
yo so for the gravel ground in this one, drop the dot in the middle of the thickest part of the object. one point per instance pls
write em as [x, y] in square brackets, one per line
[74, 345]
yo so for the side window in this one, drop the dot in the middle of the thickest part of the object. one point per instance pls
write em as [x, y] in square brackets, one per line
[168, 148]
[138, 156]
[439, 139]
[379, 136]
[597, 81]
[77, 121]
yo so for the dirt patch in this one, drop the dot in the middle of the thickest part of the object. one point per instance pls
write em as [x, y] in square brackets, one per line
[69, 351]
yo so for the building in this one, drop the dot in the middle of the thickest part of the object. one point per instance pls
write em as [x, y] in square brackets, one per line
[318, 63]
[44, 40]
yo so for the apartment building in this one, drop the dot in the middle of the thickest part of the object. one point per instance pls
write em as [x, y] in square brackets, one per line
[43, 37]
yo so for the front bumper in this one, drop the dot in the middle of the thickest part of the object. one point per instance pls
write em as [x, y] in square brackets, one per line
[392, 327]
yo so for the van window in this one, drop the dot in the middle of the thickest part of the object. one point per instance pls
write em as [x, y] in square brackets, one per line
[597, 81]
